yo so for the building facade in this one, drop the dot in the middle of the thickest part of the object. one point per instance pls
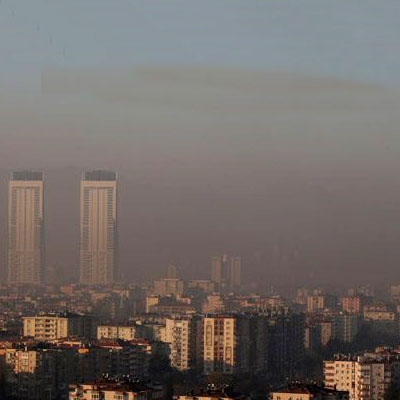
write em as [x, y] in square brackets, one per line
[52, 326]
[181, 335]
[114, 390]
[26, 245]
[116, 332]
[235, 273]
[300, 391]
[226, 272]
[219, 344]
[169, 286]
[366, 377]
[98, 228]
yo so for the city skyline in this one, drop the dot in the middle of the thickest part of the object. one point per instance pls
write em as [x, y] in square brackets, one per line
[276, 139]
[199, 200]
[98, 248]
[68, 199]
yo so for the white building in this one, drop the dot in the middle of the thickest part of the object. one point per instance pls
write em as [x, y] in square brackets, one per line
[113, 391]
[26, 228]
[99, 230]
[53, 326]
[180, 334]
[366, 377]
[219, 344]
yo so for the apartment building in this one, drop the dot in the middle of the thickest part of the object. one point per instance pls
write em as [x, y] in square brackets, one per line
[366, 377]
[352, 304]
[116, 332]
[57, 326]
[219, 344]
[181, 335]
[128, 358]
[169, 286]
[114, 390]
[212, 392]
[204, 285]
[300, 391]
[214, 303]
[231, 343]
[321, 302]
[285, 342]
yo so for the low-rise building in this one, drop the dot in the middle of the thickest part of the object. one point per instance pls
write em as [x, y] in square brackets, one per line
[115, 332]
[214, 303]
[57, 325]
[114, 390]
[213, 392]
[298, 391]
[204, 285]
[320, 302]
[172, 306]
[169, 287]
[352, 304]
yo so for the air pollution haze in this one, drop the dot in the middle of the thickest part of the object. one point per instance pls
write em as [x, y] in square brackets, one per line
[297, 174]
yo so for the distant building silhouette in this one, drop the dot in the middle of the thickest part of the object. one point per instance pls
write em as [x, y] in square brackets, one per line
[217, 268]
[226, 273]
[99, 229]
[171, 271]
[235, 273]
[26, 246]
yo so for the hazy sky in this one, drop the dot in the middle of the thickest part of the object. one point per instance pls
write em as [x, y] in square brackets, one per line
[268, 129]
[357, 39]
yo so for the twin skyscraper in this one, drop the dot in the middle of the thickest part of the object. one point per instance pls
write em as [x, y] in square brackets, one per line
[98, 228]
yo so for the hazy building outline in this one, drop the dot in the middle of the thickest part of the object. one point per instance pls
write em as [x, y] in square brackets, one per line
[226, 272]
[26, 228]
[98, 228]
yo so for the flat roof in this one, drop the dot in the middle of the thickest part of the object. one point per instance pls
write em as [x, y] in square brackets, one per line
[99, 175]
[27, 176]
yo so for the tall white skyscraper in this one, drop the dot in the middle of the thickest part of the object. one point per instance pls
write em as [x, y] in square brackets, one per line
[26, 247]
[99, 228]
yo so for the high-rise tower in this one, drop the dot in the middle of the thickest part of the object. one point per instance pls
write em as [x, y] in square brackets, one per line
[26, 247]
[217, 268]
[235, 273]
[227, 276]
[99, 229]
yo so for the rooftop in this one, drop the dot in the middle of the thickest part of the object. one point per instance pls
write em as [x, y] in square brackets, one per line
[27, 176]
[214, 391]
[99, 175]
[305, 388]
[381, 355]
[120, 384]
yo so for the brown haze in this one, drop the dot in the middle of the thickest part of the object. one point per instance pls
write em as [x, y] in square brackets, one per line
[298, 175]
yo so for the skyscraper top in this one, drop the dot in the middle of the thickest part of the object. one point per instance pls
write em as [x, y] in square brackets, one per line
[27, 176]
[99, 175]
